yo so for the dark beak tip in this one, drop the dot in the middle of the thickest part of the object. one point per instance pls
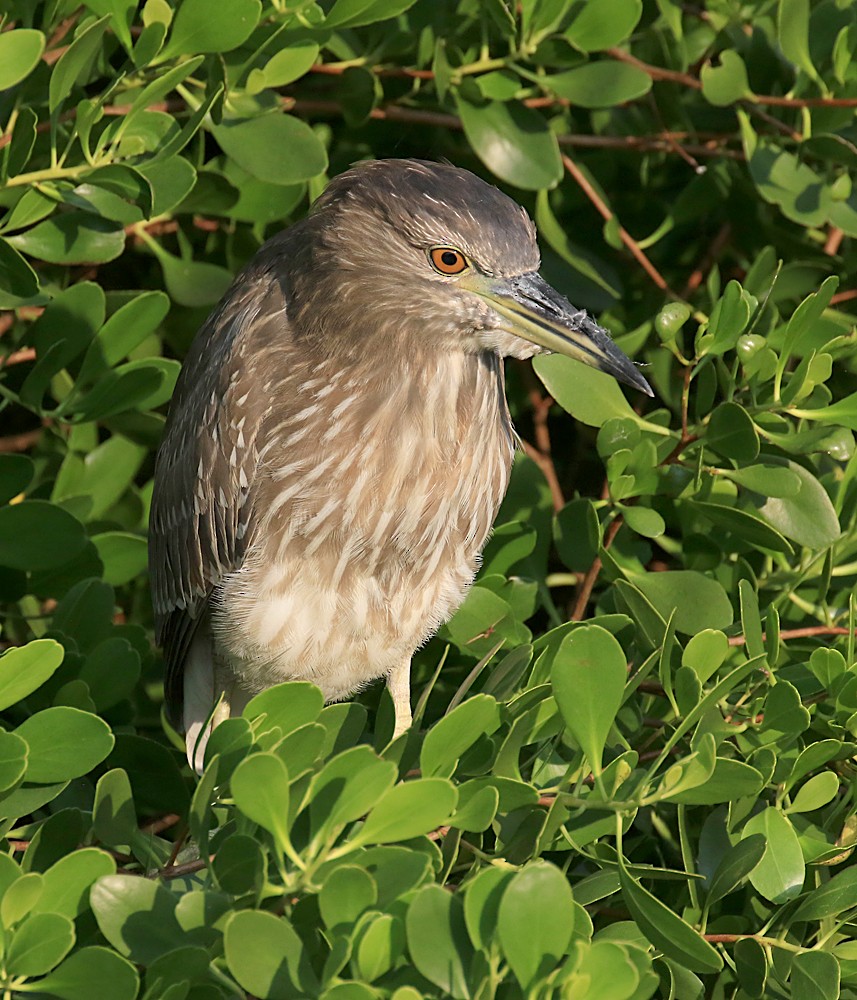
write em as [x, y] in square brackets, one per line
[644, 386]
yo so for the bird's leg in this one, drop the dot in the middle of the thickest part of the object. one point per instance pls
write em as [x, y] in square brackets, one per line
[399, 686]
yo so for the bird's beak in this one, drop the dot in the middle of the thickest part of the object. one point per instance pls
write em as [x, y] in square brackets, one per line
[534, 311]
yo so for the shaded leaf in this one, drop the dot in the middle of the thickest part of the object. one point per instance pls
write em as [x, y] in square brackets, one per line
[512, 141]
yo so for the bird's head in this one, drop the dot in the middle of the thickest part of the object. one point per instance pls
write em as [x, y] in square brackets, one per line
[431, 251]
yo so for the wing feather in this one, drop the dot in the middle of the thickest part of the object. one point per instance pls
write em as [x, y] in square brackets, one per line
[202, 517]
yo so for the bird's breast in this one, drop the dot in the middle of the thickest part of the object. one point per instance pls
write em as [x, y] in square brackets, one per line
[378, 493]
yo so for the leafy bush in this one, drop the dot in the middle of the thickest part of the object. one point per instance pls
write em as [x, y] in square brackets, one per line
[655, 800]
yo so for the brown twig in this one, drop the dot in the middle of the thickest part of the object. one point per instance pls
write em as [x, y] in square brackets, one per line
[655, 72]
[417, 116]
[18, 357]
[686, 80]
[833, 241]
[799, 633]
[20, 442]
[584, 591]
[188, 868]
[401, 72]
[712, 255]
[605, 212]
[685, 402]
[844, 296]
[542, 453]
[160, 824]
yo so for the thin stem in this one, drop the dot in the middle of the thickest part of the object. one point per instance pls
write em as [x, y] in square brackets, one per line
[687, 856]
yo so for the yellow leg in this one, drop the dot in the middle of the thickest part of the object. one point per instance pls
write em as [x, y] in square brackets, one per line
[399, 686]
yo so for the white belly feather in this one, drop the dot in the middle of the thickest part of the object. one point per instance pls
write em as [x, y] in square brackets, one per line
[342, 591]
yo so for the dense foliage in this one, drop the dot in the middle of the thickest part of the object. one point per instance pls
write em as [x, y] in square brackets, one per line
[631, 773]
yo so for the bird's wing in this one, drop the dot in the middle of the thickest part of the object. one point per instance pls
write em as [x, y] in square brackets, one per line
[202, 516]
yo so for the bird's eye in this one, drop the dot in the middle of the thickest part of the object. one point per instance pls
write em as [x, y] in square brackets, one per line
[448, 260]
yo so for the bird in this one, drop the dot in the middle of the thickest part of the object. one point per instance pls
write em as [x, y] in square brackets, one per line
[339, 441]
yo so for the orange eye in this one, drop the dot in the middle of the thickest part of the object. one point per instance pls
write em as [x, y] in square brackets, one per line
[448, 260]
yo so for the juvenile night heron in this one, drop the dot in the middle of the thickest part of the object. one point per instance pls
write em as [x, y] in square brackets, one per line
[339, 441]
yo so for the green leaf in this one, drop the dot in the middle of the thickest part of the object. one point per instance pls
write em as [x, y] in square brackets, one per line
[287, 706]
[751, 964]
[121, 13]
[588, 679]
[104, 475]
[138, 384]
[137, 916]
[815, 793]
[24, 669]
[730, 780]
[705, 653]
[66, 884]
[731, 433]
[171, 180]
[231, 742]
[698, 601]
[63, 331]
[408, 810]
[73, 980]
[125, 556]
[64, 743]
[276, 148]
[830, 899]
[793, 34]
[347, 892]
[260, 788]
[767, 479]
[114, 818]
[125, 330]
[477, 807]
[72, 63]
[36, 535]
[378, 947]
[353, 13]
[438, 941]
[288, 64]
[727, 83]
[239, 865]
[16, 474]
[20, 52]
[482, 905]
[512, 141]
[815, 976]
[535, 921]
[780, 874]
[602, 84]
[448, 739]
[842, 412]
[111, 671]
[347, 787]
[735, 865]
[73, 237]
[666, 930]
[602, 26]
[267, 957]
[744, 526]
[191, 282]
[19, 898]
[198, 27]
[644, 521]
[589, 395]
[13, 760]
[16, 275]
[39, 944]
[808, 517]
